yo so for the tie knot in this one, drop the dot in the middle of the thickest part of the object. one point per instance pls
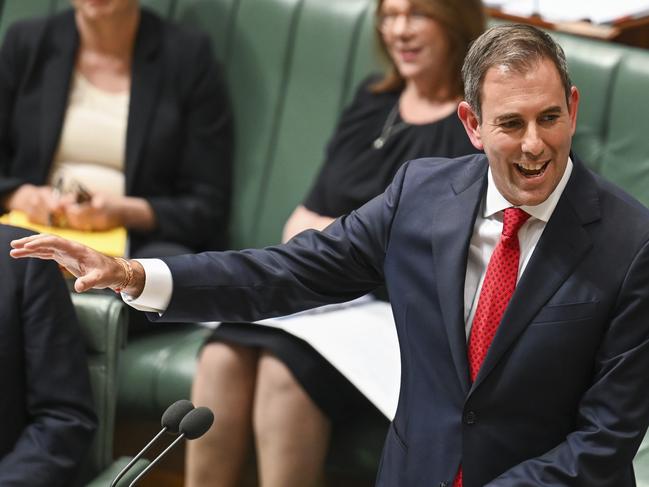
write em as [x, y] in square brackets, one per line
[513, 221]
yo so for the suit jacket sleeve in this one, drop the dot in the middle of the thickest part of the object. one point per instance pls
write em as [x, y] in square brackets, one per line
[338, 264]
[612, 415]
[199, 206]
[60, 420]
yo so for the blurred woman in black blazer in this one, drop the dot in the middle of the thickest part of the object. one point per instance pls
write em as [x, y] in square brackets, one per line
[125, 115]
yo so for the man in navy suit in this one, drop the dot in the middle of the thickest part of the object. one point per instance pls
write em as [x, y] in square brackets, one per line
[561, 397]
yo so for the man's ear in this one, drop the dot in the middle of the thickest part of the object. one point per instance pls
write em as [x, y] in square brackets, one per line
[471, 124]
[573, 108]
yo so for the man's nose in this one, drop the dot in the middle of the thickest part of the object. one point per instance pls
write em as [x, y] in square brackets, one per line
[532, 144]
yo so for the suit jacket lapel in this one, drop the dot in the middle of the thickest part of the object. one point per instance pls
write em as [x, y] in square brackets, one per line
[563, 244]
[145, 83]
[452, 230]
[57, 75]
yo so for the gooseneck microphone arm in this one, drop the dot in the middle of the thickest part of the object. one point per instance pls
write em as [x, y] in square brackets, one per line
[193, 425]
[171, 420]
[130, 464]
[156, 460]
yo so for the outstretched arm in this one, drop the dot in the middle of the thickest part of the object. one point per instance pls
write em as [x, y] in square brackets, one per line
[92, 269]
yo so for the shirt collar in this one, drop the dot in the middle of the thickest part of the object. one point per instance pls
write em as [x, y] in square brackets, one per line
[496, 202]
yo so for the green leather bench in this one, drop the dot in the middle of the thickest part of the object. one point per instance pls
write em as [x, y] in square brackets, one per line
[291, 67]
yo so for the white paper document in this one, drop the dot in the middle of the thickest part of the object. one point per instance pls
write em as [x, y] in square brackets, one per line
[359, 339]
[596, 11]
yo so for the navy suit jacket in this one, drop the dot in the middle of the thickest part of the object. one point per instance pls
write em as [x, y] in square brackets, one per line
[562, 398]
[179, 134]
[47, 415]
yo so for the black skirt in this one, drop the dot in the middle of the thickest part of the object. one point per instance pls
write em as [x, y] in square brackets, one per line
[331, 391]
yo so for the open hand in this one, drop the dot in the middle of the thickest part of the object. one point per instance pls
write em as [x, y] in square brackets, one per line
[92, 269]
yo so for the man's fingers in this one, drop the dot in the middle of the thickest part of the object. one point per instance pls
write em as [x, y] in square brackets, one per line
[16, 244]
[41, 254]
[52, 243]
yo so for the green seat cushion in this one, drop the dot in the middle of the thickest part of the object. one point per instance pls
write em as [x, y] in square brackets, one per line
[156, 369]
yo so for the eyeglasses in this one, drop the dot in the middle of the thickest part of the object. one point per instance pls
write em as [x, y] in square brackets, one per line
[414, 21]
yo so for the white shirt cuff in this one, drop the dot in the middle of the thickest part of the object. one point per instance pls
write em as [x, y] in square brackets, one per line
[158, 287]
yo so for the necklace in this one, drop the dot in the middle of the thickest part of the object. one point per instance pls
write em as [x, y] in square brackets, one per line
[390, 127]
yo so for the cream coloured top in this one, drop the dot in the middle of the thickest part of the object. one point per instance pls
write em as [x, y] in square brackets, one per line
[91, 149]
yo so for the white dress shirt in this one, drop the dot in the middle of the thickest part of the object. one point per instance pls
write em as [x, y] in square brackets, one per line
[488, 226]
[486, 234]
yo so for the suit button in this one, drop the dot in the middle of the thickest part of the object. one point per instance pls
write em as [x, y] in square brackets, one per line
[443, 484]
[470, 418]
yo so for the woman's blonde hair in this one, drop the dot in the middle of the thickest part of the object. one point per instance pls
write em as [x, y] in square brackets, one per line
[463, 22]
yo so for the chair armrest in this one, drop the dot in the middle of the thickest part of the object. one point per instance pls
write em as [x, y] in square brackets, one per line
[107, 476]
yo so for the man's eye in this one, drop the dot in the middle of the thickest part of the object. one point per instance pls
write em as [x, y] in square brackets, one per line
[511, 124]
[549, 118]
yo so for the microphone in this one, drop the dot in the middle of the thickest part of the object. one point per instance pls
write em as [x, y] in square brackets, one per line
[171, 420]
[194, 425]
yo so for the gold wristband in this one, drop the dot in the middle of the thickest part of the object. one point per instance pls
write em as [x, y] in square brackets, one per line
[128, 273]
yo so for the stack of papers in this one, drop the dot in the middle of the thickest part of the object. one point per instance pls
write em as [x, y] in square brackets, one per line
[359, 338]
[595, 11]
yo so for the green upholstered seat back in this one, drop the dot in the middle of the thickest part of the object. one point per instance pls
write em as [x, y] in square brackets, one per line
[318, 75]
[625, 158]
[103, 324]
[162, 7]
[366, 57]
[592, 69]
[12, 10]
[214, 17]
[259, 38]
[613, 119]
[290, 66]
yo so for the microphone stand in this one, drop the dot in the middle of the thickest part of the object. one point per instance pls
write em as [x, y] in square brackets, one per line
[137, 457]
[150, 466]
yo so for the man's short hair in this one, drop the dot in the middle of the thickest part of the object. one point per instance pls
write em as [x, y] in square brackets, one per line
[518, 47]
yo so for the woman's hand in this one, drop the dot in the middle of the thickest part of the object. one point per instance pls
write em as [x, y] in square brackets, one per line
[105, 212]
[92, 269]
[100, 213]
[39, 203]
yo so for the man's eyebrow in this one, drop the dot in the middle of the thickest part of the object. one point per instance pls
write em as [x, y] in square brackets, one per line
[553, 109]
[506, 117]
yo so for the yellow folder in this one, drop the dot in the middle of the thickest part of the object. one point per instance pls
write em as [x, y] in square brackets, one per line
[111, 242]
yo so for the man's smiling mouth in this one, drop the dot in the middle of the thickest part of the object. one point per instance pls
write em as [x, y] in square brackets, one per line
[531, 169]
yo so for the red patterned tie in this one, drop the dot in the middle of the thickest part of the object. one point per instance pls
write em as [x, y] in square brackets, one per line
[497, 289]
